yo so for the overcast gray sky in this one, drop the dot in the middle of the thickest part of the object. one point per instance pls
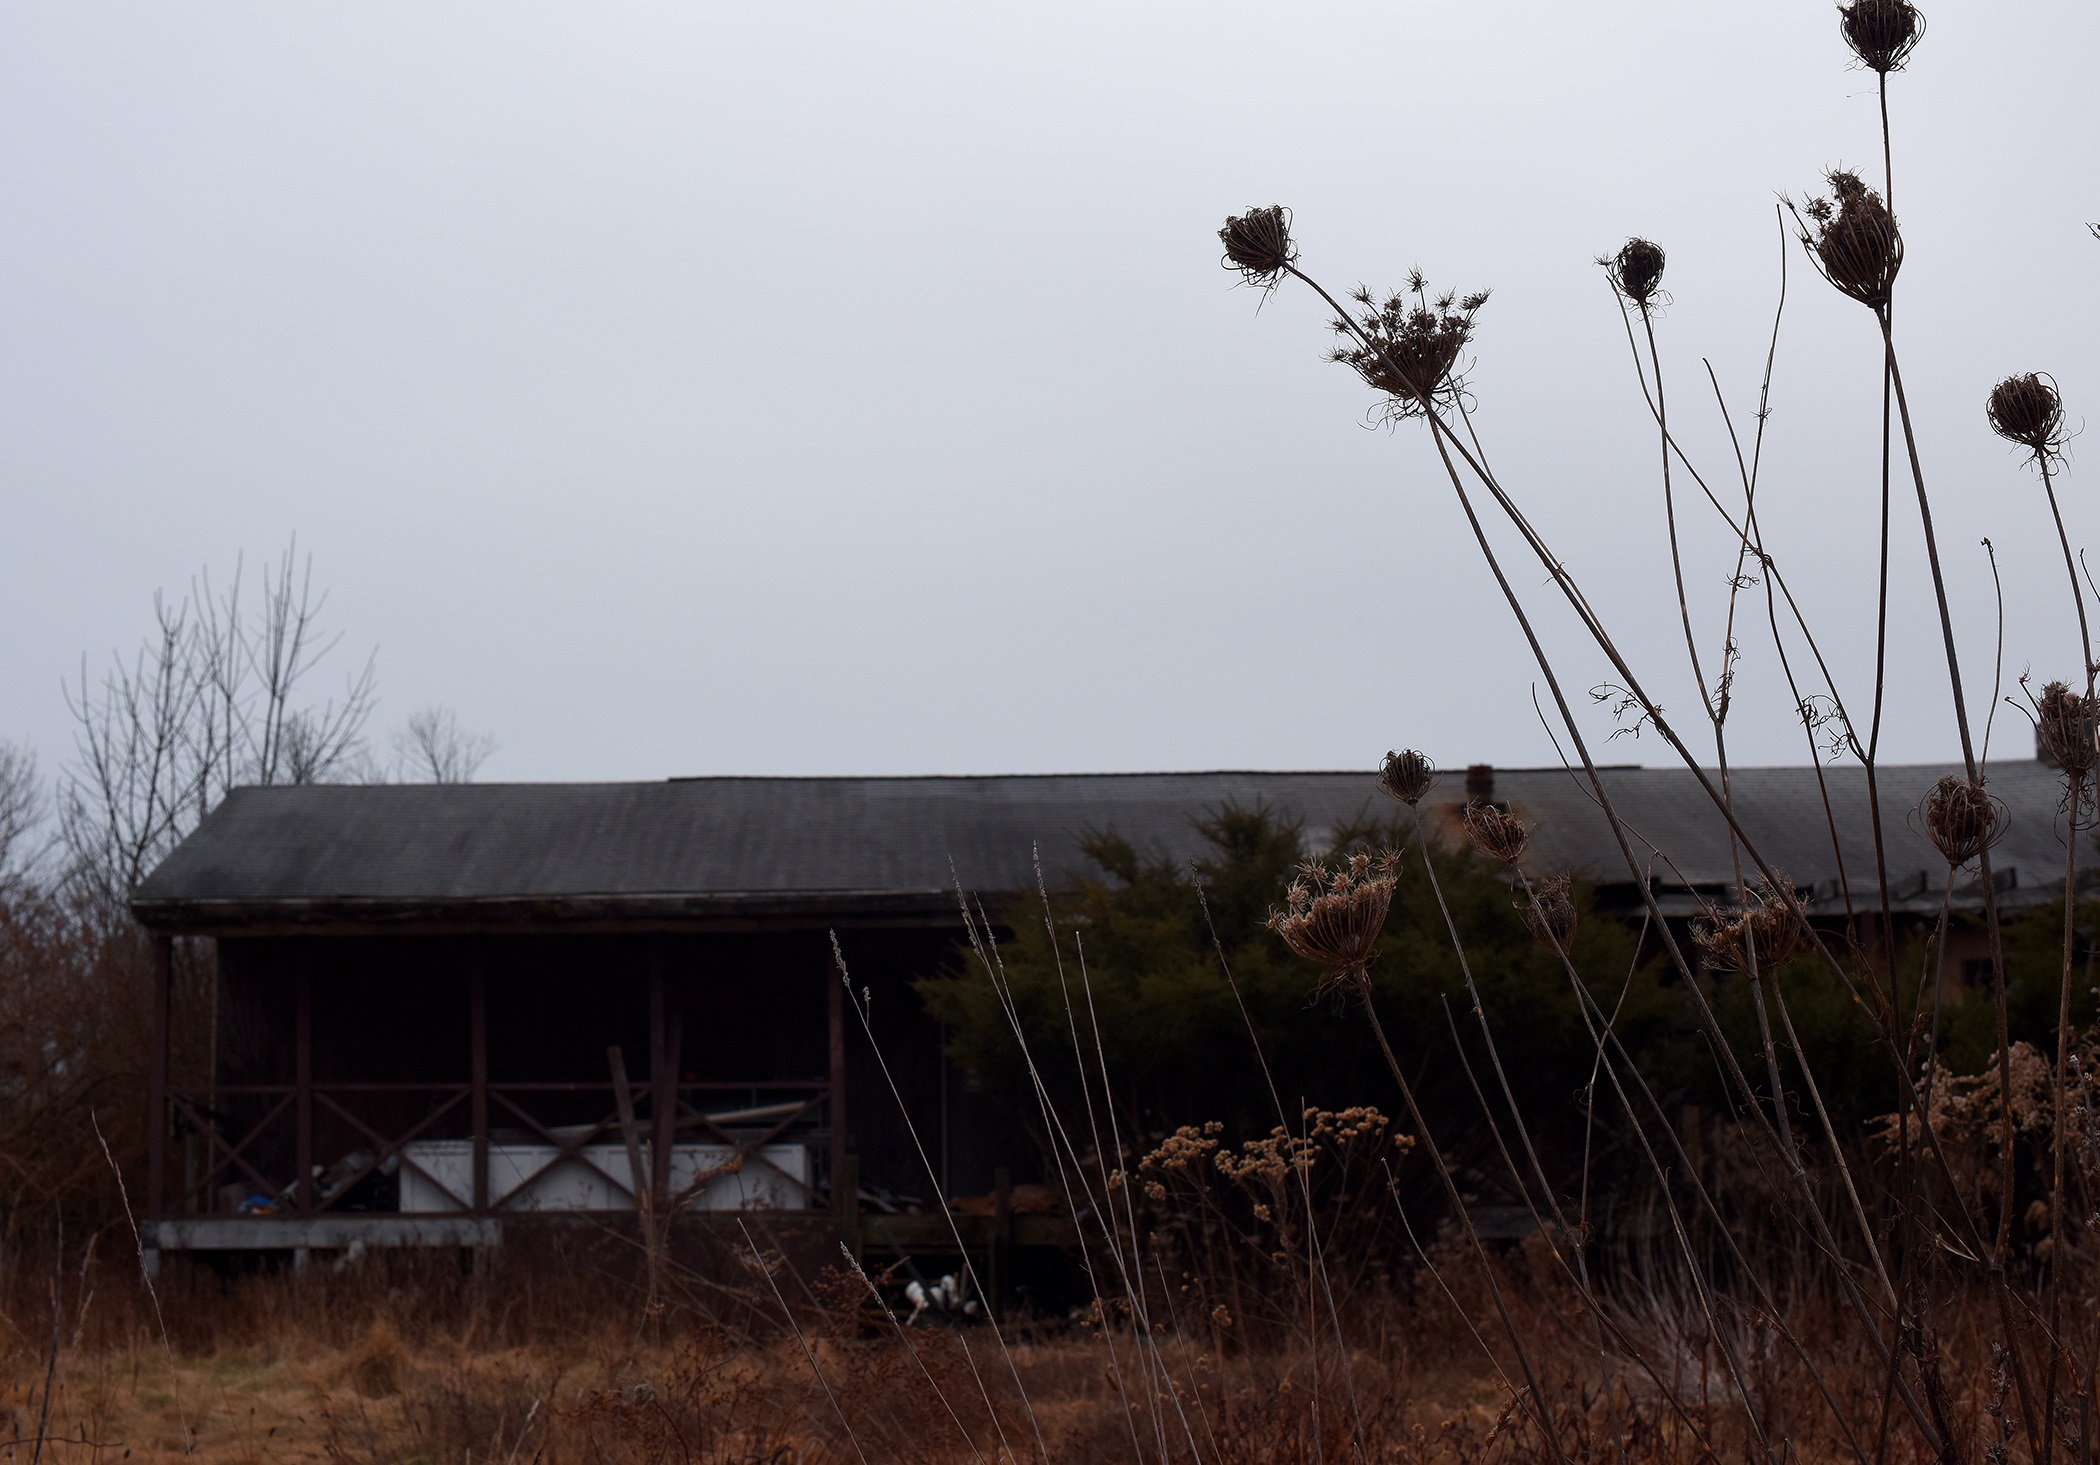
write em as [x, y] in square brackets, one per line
[826, 388]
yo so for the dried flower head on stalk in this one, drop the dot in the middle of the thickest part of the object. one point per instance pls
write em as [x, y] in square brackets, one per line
[1334, 915]
[1408, 345]
[2068, 726]
[2027, 411]
[1406, 776]
[1852, 238]
[1637, 269]
[1881, 33]
[1764, 924]
[1495, 832]
[1962, 819]
[1550, 914]
[1258, 244]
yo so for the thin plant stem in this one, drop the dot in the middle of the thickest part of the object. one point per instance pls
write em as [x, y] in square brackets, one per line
[2075, 795]
[1131, 1271]
[1440, 434]
[853, 1263]
[1983, 859]
[1536, 1407]
[838, 957]
[1325, 1284]
[785, 1311]
[1093, 1124]
[1662, 417]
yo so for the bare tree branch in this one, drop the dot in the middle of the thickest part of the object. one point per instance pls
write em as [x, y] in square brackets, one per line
[212, 700]
[434, 748]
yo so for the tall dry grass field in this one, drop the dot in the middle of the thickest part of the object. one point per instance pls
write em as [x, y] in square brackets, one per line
[409, 1358]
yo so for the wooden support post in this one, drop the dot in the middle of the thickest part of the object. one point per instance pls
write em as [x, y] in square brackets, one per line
[160, 1004]
[847, 1182]
[1002, 1240]
[630, 1133]
[303, 1081]
[478, 1069]
[664, 1036]
[845, 1179]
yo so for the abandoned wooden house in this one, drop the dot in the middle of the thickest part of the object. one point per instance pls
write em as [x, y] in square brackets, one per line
[445, 1011]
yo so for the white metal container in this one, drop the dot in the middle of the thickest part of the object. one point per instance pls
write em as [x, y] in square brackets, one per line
[520, 1178]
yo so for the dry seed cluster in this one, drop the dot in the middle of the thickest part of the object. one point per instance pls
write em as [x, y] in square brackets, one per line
[1495, 832]
[2069, 727]
[1407, 776]
[1637, 269]
[2027, 411]
[1550, 913]
[1882, 33]
[1334, 915]
[1853, 239]
[1764, 926]
[1962, 819]
[1407, 346]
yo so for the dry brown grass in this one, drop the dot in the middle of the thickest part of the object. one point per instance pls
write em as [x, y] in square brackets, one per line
[403, 1359]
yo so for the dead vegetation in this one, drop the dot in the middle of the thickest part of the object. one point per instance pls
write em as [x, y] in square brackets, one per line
[408, 1358]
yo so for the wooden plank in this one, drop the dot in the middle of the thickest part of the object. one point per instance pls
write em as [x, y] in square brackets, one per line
[326, 1233]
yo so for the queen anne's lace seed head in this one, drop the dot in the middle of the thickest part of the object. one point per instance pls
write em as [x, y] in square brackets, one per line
[2068, 725]
[1852, 239]
[1333, 915]
[1881, 33]
[1407, 776]
[1550, 914]
[1407, 346]
[2027, 411]
[1962, 819]
[1495, 832]
[1637, 269]
[1765, 925]
[1258, 244]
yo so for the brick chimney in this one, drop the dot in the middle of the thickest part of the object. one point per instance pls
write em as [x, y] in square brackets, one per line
[1480, 783]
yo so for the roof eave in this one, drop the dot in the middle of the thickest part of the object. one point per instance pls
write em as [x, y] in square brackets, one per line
[364, 915]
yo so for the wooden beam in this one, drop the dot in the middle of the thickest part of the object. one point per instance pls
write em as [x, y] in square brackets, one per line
[621, 915]
[478, 1069]
[326, 1232]
[160, 1008]
[303, 1086]
[845, 1180]
[663, 1085]
[1002, 1279]
[630, 1132]
[849, 1219]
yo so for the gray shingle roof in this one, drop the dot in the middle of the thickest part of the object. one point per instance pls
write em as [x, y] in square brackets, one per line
[877, 848]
